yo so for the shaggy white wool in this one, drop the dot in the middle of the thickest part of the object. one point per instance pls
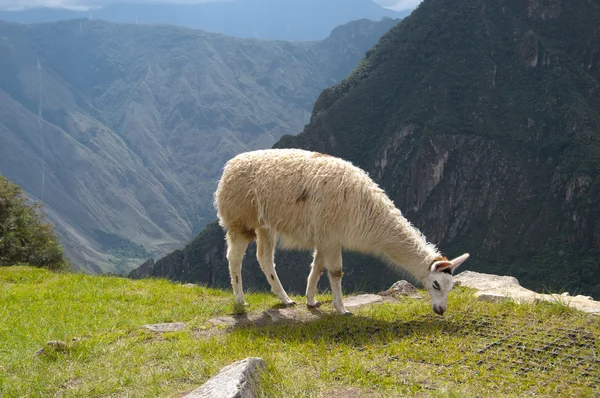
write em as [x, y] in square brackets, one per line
[313, 201]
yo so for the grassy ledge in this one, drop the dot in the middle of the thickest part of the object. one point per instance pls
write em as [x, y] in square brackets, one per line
[477, 348]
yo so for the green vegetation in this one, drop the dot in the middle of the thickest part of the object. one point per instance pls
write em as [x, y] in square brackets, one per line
[25, 236]
[384, 350]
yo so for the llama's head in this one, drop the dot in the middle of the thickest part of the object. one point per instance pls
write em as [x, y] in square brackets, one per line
[440, 282]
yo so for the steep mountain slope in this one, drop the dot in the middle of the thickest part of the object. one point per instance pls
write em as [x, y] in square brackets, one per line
[489, 139]
[122, 130]
[482, 122]
[259, 19]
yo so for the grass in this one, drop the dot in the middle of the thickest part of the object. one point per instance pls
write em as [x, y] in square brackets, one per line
[398, 348]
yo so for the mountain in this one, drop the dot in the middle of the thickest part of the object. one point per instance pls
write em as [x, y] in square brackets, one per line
[292, 20]
[122, 130]
[481, 120]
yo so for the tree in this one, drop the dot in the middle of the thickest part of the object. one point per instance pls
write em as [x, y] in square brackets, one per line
[25, 236]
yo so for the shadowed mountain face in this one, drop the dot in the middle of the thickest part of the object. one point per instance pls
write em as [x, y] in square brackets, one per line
[303, 20]
[481, 120]
[122, 130]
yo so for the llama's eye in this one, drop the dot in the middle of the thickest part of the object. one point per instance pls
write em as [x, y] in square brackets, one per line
[436, 285]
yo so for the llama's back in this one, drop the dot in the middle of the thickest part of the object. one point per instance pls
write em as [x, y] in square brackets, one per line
[307, 198]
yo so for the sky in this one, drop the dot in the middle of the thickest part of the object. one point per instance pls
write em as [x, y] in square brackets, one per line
[397, 5]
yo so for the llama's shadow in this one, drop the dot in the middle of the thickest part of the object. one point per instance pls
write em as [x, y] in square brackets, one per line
[287, 324]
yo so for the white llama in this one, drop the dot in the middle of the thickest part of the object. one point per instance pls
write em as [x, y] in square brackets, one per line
[316, 201]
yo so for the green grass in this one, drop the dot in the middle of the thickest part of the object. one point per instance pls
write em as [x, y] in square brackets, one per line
[383, 350]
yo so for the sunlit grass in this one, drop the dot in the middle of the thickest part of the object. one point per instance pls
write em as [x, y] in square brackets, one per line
[383, 350]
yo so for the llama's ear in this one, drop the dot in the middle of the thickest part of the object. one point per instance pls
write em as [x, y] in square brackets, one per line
[439, 266]
[459, 260]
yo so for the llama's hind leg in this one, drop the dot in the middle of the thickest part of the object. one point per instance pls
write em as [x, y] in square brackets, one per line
[316, 271]
[236, 247]
[265, 251]
[333, 263]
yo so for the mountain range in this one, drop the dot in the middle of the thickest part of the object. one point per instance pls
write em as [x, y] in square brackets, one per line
[481, 120]
[291, 20]
[121, 130]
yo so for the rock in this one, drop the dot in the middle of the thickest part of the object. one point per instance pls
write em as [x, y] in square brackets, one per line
[238, 380]
[481, 281]
[223, 320]
[166, 327]
[493, 288]
[491, 297]
[400, 287]
[507, 286]
[363, 299]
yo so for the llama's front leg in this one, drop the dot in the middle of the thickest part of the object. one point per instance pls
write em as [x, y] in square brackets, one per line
[265, 252]
[315, 273]
[333, 263]
[236, 247]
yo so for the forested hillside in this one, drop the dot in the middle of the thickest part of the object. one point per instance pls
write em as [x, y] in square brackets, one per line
[481, 120]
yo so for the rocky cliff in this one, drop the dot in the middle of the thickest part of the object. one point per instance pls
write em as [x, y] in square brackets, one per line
[481, 120]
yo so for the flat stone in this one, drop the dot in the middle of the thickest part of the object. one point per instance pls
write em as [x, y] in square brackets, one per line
[579, 302]
[481, 281]
[494, 286]
[237, 380]
[363, 299]
[223, 320]
[166, 327]
[491, 297]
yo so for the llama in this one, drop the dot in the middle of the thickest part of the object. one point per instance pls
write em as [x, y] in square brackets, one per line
[313, 201]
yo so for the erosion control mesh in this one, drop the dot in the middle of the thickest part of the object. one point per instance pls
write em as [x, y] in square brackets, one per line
[524, 348]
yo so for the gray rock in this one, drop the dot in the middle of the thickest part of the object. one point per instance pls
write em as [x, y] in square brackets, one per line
[238, 380]
[492, 297]
[223, 320]
[401, 287]
[363, 299]
[494, 286]
[166, 327]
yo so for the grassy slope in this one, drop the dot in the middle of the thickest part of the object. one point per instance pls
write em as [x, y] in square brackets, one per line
[381, 350]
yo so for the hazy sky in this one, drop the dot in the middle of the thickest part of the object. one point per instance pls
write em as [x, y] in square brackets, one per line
[397, 5]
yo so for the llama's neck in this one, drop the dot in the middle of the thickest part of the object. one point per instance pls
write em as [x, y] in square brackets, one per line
[406, 246]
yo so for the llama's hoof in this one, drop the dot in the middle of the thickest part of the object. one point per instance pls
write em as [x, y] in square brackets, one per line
[317, 304]
[290, 303]
[347, 313]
